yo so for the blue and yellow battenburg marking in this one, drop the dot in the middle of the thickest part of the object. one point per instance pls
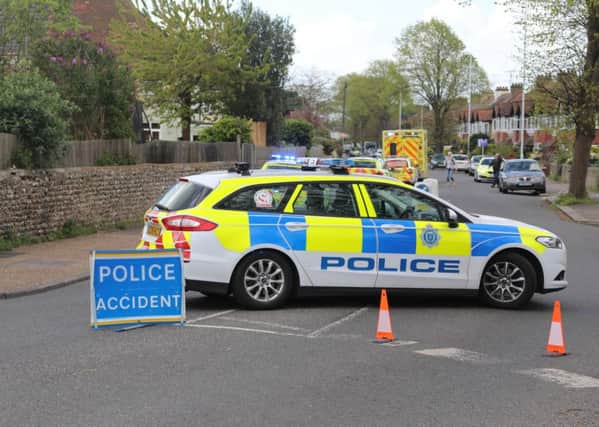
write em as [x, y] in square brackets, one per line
[240, 231]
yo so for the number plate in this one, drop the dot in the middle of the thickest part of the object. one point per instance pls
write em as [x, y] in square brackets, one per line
[153, 229]
[524, 184]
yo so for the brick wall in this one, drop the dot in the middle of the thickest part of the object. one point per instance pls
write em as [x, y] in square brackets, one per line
[40, 202]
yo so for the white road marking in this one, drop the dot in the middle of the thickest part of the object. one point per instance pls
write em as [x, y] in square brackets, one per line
[260, 322]
[458, 354]
[233, 328]
[565, 378]
[398, 343]
[211, 316]
[350, 316]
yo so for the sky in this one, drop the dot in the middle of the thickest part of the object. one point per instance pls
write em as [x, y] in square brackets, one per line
[343, 36]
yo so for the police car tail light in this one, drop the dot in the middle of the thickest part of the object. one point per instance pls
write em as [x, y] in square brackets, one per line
[187, 223]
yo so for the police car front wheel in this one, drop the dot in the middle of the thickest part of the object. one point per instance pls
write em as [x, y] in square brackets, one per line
[263, 280]
[508, 281]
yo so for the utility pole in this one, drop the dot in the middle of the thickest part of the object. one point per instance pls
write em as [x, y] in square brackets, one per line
[469, 106]
[522, 116]
[340, 150]
[422, 117]
[400, 105]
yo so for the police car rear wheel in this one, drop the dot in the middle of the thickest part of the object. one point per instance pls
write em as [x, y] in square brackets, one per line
[508, 281]
[263, 280]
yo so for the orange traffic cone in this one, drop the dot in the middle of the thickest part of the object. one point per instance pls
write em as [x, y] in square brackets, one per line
[383, 329]
[556, 345]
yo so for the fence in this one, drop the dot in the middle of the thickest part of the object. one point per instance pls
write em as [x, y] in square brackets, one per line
[8, 143]
[87, 153]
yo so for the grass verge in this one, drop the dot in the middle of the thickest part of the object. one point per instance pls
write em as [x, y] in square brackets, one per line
[567, 199]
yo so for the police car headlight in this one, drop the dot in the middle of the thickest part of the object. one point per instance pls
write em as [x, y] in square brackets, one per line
[550, 242]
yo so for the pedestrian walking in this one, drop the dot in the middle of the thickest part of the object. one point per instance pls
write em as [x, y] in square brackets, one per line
[450, 165]
[497, 161]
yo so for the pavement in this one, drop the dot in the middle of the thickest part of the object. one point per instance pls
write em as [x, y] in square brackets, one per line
[44, 266]
[583, 213]
[36, 268]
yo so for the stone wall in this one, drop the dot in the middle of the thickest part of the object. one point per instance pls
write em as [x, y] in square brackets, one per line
[40, 202]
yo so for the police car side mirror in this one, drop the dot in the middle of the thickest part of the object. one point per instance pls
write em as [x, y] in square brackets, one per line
[452, 218]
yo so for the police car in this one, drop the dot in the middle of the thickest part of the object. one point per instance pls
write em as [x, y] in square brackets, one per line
[263, 235]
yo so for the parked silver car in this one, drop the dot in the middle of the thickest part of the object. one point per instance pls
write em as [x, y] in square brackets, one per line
[521, 175]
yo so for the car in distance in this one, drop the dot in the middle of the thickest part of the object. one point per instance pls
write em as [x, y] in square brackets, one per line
[367, 165]
[473, 164]
[521, 175]
[461, 162]
[401, 168]
[484, 170]
[437, 161]
[263, 235]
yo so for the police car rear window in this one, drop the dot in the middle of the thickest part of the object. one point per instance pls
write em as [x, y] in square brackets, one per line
[183, 195]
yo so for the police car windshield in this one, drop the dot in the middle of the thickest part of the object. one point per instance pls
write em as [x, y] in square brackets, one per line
[486, 161]
[183, 195]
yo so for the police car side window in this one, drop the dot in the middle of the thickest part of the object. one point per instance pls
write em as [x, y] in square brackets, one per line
[258, 198]
[394, 202]
[326, 199]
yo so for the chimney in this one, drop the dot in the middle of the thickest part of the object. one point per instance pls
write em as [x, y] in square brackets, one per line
[501, 90]
[516, 88]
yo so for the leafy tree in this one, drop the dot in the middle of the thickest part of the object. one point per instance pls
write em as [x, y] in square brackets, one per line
[564, 52]
[32, 109]
[372, 99]
[227, 129]
[23, 22]
[260, 93]
[436, 66]
[298, 132]
[186, 55]
[89, 75]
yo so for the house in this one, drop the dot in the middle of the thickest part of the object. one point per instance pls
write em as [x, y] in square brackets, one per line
[501, 120]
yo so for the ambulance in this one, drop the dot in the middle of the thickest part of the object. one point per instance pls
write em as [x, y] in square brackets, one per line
[411, 143]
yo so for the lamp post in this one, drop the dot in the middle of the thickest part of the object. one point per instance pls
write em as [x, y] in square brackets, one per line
[469, 106]
[522, 115]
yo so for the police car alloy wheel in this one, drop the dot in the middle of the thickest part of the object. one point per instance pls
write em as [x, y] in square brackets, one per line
[263, 280]
[508, 281]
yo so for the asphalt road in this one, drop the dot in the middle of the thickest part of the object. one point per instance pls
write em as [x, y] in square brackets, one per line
[456, 363]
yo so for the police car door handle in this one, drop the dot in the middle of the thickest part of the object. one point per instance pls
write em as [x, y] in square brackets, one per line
[392, 228]
[296, 226]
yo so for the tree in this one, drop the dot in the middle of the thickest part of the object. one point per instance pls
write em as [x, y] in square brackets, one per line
[227, 129]
[88, 75]
[435, 64]
[298, 132]
[186, 55]
[314, 92]
[564, 44]
[260, 95]
[32, 109]
[372, 99]
[23, 22]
